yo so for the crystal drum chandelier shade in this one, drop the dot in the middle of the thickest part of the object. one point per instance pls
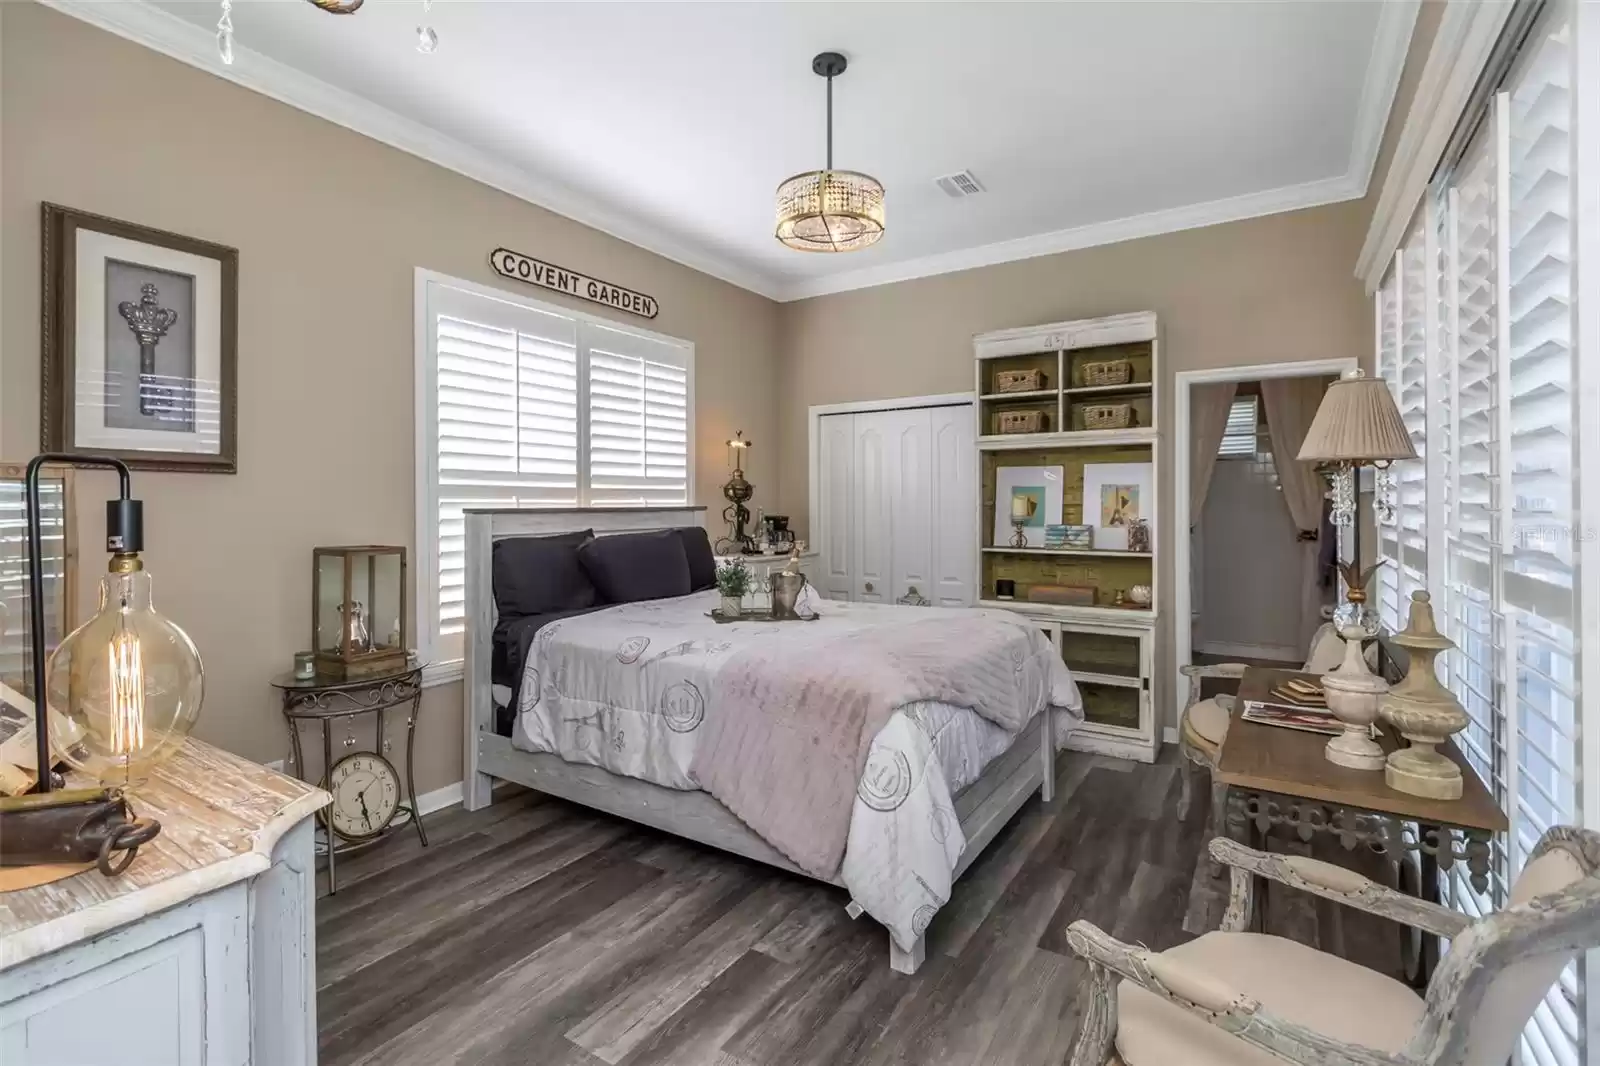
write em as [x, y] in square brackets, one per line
[830, 210]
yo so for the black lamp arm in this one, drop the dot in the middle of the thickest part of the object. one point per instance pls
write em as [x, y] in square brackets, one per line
[124, 533]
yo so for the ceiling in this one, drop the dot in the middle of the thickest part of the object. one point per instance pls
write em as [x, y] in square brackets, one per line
[670, 124]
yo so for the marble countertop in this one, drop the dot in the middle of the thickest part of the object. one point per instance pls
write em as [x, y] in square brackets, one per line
[220, 816]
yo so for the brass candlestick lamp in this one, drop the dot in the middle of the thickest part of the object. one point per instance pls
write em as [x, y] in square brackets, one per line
[738, 492]
[1357, 424]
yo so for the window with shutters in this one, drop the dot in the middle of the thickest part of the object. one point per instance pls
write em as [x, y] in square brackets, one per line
[524, 404]
[1476, 336]
[1241, 439]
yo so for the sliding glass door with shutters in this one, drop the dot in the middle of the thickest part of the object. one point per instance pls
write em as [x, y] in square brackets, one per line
[1475, 335]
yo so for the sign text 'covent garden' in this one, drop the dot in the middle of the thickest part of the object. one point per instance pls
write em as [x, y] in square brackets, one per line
[515, 265]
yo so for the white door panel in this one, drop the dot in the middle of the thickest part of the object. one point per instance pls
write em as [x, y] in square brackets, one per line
[836, 464]
[911, 513]
[871, 541]
[954, 512]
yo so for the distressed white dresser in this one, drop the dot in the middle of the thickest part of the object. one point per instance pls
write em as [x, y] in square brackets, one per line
[201, 954]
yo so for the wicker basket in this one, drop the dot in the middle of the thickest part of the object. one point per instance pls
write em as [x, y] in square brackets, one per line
[1018, 380]
[1019, 422]
[1107, 415]
[1110, 372]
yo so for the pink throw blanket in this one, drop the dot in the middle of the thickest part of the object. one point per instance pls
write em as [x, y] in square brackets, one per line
[791, 720]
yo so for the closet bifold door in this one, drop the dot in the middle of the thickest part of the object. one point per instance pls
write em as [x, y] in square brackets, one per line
[955, 536]
[911, 479]
[833, 534]
[871, 510]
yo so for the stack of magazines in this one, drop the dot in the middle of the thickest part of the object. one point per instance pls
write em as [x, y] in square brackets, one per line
[1296, 703]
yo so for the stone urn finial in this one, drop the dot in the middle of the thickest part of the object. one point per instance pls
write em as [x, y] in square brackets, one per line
[1424, 712]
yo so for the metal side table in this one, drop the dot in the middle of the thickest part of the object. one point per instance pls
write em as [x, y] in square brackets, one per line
[327, 700]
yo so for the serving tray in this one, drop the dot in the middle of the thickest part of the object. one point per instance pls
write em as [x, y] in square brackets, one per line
[755, 615]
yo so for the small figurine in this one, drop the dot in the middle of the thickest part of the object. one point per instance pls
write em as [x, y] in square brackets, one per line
[1139, 535]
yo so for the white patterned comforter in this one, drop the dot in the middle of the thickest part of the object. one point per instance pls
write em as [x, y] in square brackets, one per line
[625, 689]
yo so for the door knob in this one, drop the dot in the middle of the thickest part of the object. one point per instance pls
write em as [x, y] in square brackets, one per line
[869, 586]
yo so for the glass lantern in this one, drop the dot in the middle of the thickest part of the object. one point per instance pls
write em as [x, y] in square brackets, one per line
[358, 610]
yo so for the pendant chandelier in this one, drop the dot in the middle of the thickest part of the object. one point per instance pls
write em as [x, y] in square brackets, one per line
[427, 40]
[830, 210]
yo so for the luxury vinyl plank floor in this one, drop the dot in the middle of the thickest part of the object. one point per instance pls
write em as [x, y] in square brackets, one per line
[542, 934]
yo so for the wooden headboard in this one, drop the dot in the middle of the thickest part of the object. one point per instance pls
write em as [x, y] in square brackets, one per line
[483, 528]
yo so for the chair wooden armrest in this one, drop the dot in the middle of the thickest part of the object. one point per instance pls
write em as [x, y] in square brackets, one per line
[1336, 883]
[1214, 670]
[1202, 995]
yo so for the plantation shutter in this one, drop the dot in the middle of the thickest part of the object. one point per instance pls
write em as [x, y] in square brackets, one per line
[507, 424]
[535, 408]
[1388, 356]
[1410, 475]
[638, 418]
[1538, 571]
[1468, 245]
[1239, 437]
[1500, 423]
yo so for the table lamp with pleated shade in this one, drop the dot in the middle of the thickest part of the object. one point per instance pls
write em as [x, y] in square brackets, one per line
[1357, 424]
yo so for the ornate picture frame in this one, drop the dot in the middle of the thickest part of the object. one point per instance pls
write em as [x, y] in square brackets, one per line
[139, 339]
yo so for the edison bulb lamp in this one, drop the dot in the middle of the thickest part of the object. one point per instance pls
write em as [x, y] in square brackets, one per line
[128, 678]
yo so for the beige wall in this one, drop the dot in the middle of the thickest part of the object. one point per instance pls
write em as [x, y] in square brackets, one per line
[329, 227]
[1261, 291]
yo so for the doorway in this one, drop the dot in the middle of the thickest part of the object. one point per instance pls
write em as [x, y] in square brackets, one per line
[1246, 484]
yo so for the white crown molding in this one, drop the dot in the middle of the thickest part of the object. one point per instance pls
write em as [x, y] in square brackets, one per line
[1467, 33]
[1114, 231]
[145, 24]
[1397, 20]
[172, 36]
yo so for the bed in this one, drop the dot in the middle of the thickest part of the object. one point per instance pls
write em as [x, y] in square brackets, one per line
[603, 706]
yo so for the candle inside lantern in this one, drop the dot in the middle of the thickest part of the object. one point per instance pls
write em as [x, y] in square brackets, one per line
[1021, 508]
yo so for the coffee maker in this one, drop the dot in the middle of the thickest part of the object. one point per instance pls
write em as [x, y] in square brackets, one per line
[780, 538]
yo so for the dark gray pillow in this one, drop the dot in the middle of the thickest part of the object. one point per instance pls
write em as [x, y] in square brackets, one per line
[702, 561]
[537, 575]
[630, 567]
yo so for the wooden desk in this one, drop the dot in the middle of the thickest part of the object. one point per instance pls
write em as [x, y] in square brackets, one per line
[1280, 777]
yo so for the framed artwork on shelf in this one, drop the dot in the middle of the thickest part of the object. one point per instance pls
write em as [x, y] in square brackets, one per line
[140, 331]
[1041, 485]
[1115, 497]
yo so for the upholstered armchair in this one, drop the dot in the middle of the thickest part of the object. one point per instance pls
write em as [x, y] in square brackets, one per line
[1232, 998]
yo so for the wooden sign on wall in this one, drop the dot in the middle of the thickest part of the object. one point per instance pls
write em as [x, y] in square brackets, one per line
[525, 268]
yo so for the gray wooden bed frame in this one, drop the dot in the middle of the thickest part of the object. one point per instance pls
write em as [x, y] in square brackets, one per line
[983, 808]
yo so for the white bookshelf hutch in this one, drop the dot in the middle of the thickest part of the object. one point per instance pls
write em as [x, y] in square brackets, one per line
[1110, 648]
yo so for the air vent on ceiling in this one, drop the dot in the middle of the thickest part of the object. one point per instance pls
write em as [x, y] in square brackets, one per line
[959, 184]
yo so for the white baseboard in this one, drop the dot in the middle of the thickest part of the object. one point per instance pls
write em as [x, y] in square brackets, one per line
[440, 798]
[1169, 735]
[275, 764]
[1287, 653]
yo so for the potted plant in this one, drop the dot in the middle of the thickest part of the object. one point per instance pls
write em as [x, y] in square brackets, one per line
[733, 581]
